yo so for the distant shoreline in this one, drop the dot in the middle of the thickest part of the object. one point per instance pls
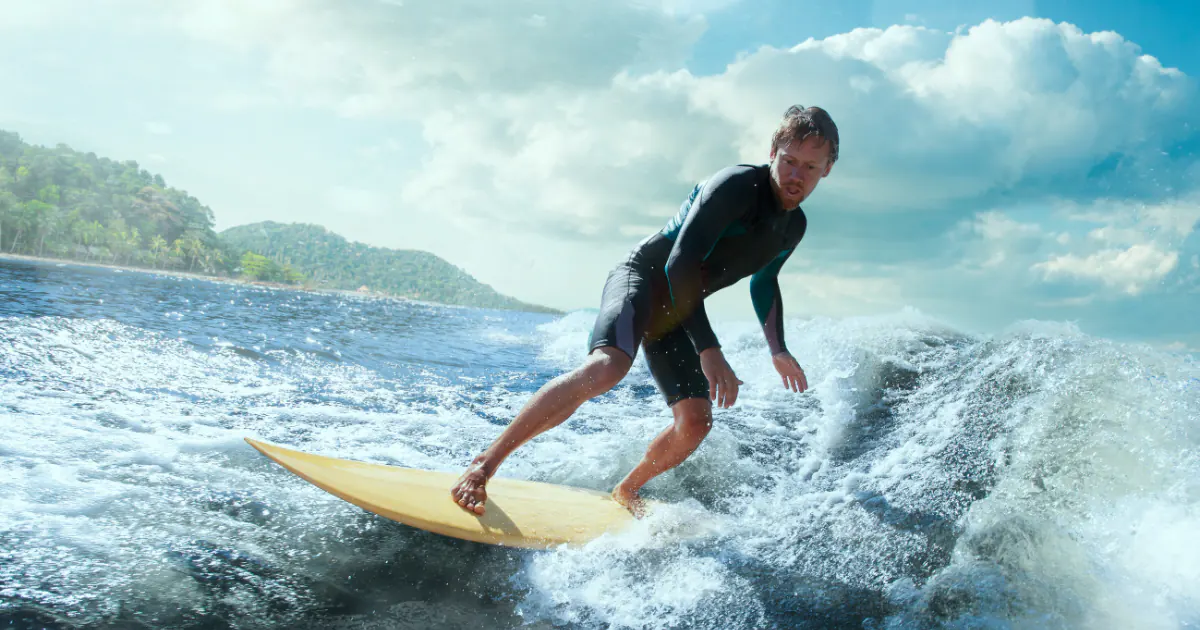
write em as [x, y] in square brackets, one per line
[229, 280]
[199, 276]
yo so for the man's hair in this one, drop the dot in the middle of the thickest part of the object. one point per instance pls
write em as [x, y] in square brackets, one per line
[801, 122]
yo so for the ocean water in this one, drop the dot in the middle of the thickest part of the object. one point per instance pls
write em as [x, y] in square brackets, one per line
[1035, 478]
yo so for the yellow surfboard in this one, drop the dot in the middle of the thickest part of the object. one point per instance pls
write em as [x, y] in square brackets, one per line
[527, 514]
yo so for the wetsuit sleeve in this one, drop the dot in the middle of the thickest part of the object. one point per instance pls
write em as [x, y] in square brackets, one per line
[768, 301]
[699, 330]
[723, 200]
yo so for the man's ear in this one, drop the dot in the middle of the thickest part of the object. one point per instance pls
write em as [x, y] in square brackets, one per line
[828, 167]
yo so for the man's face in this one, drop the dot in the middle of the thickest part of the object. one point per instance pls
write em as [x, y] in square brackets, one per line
[797, 168]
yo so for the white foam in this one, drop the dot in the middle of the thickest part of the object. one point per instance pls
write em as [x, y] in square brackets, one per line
[125, 445]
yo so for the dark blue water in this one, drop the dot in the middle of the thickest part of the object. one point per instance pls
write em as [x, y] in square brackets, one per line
[1036, 479]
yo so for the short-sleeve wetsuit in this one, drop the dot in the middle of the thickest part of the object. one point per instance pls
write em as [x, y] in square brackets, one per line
[730, 227]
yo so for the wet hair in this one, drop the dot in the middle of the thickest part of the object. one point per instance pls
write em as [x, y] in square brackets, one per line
[801, 122]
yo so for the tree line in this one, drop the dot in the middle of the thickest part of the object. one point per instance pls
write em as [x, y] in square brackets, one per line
[61, 203]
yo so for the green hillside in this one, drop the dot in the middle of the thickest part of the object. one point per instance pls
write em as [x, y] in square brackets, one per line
[61, 203]
[330, 261]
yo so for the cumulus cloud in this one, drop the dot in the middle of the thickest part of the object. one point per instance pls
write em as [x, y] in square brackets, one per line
[577, 120]
[1124, 246]
[992, 241]
[416, 58]
[1129, 270]
[1137, 246]
[841, 295]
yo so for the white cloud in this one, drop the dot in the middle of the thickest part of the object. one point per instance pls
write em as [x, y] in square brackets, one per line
[357, 201]
[1137, 245]
[1134, 246]
[688, 7]
[567, 119]
[1113, 235]
[839, 295]
[1129, 270]
[370, 59]
[158, 128]
[992, 239]
[1168, 218]
[995, 226]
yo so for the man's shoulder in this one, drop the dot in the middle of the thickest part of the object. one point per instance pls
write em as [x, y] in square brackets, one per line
[749, 175]
[797, 225]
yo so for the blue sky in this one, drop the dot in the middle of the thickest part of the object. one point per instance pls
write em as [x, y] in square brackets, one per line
[1001, 161]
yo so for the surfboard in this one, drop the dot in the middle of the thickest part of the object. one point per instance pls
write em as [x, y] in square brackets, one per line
[519, 513]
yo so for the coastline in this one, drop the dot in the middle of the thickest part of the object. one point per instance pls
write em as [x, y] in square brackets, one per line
[197, 276]
[229, 280]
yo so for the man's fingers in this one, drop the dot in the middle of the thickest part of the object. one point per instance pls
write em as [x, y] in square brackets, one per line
[721, 392]
[723, 388]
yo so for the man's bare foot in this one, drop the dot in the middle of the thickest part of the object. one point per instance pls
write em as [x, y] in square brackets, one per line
[469, 491]
[631, 500]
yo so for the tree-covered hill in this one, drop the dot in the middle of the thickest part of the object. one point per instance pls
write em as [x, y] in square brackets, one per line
[61, 203]
[329, 260]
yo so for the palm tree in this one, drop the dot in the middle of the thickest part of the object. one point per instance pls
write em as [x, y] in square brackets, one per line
[158, 246]
[8, 202]
[135, 243]
[195, 249]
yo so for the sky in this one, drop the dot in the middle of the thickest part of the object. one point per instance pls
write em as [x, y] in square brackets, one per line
[1000, 161]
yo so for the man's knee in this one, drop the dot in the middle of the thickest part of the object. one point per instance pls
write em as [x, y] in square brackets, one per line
[606, 367]
[693, 416]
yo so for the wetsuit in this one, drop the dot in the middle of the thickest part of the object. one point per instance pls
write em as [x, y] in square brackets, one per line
[730, 227]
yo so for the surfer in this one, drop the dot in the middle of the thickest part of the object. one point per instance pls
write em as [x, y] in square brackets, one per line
[743, 221]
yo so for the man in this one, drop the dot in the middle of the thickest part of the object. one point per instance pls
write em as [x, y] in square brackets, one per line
[744, 221]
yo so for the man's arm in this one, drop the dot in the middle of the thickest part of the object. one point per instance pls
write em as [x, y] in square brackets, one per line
[768, 301]
[699, 330]
[721, 201]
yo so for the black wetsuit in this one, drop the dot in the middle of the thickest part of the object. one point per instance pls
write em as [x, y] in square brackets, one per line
[730, 227]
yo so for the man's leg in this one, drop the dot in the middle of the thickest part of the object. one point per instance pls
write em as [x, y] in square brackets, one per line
[693, 419]
[549, 407]
[614, 344]
[676, 368]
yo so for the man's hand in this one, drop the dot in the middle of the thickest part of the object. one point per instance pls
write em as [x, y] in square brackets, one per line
[789, 369]
[722, 382]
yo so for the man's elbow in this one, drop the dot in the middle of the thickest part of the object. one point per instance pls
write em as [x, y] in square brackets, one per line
[759, 283]
[679, 269]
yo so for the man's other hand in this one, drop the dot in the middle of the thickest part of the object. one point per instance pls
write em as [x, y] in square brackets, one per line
[789, 369]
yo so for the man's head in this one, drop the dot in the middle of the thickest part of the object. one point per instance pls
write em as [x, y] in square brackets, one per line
[803, 150]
